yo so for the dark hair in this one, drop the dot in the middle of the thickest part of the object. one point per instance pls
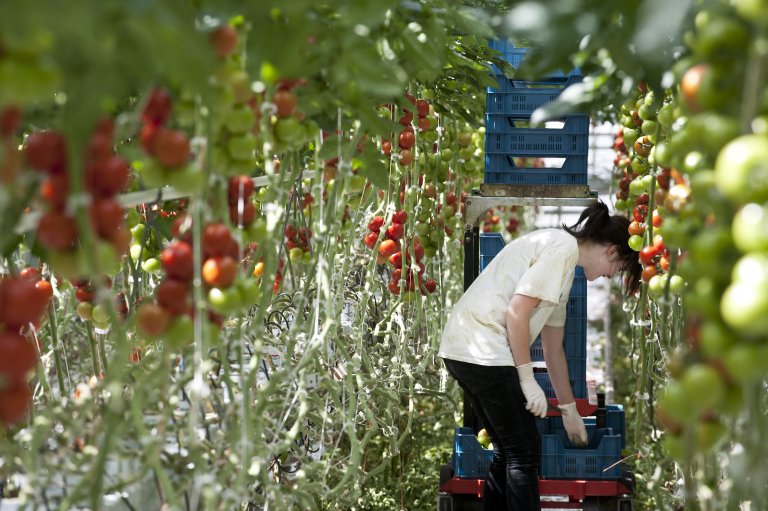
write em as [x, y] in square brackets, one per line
[600, 227]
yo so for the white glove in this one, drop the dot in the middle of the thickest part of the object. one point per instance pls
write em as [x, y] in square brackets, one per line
[574, 424]
[536, 400]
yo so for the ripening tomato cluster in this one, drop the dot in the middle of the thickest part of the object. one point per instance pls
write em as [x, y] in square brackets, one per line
[106, 175]
[242, 212]
[406, 139]
[395, 249]
[297, 242]
[169, 147]
[23, 302]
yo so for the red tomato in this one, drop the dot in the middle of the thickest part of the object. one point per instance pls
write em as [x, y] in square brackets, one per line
[376, 224]
[152, 320]
[239, 187]
[10, 118]
[219, 271]
[20, 302]
[407, 118]
[176, 259]
[395, 231]
[285, 102]
[30, 273]
[106, 217]
[396, 259]
[216, 240]
[55, 189]
[406, 139]
[46, 151]
[370, 239]
[57, 231]
[386, 147]
[640, 213]
[422, 108]
[406, 157]
[430, 285]
[148, 136]
[17, 356]
[171, 148]
[394, 287]
[173, 296]
[14, 402]
[224, 40]
[110, 176]
[647, 254]
[387, 248]
[648, 272]
[99, 147]
[400, 217]
[244, 217]
[397, 274]
[157, 110]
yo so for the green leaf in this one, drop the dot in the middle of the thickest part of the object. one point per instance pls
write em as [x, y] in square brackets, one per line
[372, 166]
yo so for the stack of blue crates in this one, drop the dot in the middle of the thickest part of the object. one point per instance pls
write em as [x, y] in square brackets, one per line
[510, 141]
[560, 459]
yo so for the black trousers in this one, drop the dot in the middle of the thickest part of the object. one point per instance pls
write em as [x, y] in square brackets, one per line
[512, 483]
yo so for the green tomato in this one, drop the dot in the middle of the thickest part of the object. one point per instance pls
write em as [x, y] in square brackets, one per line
[180, 332]
[635, 242]
[288, 130]
[745, 363]
[677, 403]
[250, 293]
[152, 265]
[656, 286]
[239, 119]
[188, 179]
[242, 147]
[296, 254]
[85, 311]
[225, 301]
[137, 232]
[630, 137]
[676, 284]
[153, 174]
[704, 386]
[99, 316]
[750, 228]
[715, 339]
[741, 169]
[665, 116]
[744, 306]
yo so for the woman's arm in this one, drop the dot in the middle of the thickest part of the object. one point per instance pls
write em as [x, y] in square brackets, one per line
[518, 320]
[554, 356]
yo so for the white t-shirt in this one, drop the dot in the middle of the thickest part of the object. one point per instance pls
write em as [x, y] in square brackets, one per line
[540, 264]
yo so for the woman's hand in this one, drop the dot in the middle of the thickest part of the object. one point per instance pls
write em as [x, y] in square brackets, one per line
[536, 400]
[574, 424]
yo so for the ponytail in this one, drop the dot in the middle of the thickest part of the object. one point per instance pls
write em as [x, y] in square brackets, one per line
[597, 225]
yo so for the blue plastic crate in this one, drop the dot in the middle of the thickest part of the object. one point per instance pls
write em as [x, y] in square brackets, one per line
[491, 244]
[561, 460]
[515, 56]
[574, 345]
[521, 102]
[578, 384]
[536, 142]
[504, 123]
[502, 169]
[554, 425]
[614, 419]
[470, 459]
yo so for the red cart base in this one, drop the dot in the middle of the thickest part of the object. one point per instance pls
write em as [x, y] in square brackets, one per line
[587, 495]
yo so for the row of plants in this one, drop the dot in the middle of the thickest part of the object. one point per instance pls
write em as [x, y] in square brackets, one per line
[268, 340]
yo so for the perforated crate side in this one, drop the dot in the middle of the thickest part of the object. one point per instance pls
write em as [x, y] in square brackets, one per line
[530, 142]
[614, 419]
[506, 123]
[560, 460]
[515, 55]
[521, 102]
[579, 385]
[470, 459]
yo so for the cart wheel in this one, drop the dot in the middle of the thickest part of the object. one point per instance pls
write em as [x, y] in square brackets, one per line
[446, 473]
